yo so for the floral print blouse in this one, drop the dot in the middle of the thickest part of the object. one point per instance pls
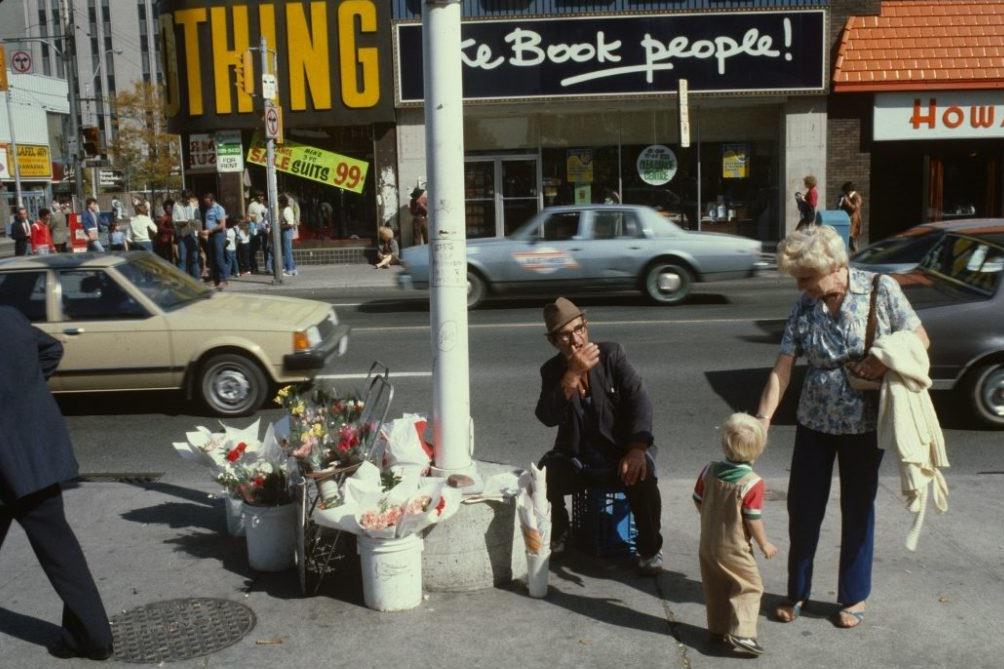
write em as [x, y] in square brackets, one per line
[828, 403]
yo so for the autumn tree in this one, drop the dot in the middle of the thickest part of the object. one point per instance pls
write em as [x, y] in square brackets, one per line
[147, 155]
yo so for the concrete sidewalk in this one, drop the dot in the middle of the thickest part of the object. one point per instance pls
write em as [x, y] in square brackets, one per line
[938, 607]
[321, 277]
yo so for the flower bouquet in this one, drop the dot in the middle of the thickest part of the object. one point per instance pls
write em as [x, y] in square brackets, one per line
[369, 507]
[219, 452]
[328, 434]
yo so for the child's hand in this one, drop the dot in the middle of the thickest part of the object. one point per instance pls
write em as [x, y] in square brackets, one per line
[768, 549]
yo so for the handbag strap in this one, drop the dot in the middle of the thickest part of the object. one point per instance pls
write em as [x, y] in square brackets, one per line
[870, 327]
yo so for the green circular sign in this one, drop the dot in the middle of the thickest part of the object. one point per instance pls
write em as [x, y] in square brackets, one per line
[657, 164]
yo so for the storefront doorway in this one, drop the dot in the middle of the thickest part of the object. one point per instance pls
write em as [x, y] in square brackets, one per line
[501, 193]
[964, 184]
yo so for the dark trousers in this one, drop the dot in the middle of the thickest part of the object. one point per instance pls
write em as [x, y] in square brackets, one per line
[859, 459]
[565, 477]
[253, 260]
[85, 623]
[244, 257]
[20, 247]
[217, 253]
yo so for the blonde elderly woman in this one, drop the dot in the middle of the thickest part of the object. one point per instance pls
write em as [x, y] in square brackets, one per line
[835, 421]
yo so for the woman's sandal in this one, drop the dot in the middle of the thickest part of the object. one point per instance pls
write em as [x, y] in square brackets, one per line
[791, 609]
[858, 616]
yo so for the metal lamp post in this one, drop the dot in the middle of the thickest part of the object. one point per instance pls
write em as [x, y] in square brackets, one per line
[444, 150]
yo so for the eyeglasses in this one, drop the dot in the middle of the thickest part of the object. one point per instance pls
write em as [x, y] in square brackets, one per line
[569, 336]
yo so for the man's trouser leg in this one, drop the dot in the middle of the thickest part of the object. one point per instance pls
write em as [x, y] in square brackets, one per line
[562, 479]
[85, 623]
[646, 505]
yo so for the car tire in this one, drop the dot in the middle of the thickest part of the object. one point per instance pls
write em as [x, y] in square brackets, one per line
[667, 283]
[986, 393]
[476, 289]
[232, 385]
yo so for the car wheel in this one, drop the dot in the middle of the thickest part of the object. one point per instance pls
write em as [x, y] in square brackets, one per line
[232, 385]
[986, 392]
[475, 289]
[667, 283]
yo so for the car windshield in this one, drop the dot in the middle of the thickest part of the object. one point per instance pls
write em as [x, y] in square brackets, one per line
[897, 250]
[167, 286]
[967, 261]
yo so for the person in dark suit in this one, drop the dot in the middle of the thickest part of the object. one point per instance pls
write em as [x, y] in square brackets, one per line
[36, 456]
[20, 232]
[604, 418]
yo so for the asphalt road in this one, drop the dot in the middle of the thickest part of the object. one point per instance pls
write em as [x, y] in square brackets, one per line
[700, 361]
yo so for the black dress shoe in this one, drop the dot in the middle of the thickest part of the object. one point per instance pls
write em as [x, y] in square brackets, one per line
[65, 652]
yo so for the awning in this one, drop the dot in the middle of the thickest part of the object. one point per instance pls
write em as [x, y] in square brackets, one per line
[923, 45]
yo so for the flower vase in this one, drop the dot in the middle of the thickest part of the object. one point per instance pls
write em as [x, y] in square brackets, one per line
[233, 508]
[271, 535]
[327, 490]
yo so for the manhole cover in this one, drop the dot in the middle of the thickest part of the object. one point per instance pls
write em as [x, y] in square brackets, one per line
[179, 629]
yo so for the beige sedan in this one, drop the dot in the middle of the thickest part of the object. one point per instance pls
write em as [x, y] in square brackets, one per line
[131, 321]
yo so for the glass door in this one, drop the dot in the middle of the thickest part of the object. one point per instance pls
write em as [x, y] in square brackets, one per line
[518, 177]
[501, 193]
[479, 196]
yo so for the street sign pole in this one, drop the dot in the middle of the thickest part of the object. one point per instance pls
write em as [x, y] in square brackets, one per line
[10, 124]
[273, 187]
[69, 55]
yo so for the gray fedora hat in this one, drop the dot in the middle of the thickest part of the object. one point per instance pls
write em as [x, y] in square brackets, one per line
[559, 313]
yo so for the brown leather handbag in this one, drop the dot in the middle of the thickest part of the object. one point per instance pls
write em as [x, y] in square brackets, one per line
[855, 381]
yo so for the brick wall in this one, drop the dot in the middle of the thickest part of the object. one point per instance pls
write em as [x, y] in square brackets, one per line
[848, 126]
[848, 151]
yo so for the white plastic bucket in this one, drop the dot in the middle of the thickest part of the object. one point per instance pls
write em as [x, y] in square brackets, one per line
[537, 573]
[271, 534]
[392, 572]
[234, 510]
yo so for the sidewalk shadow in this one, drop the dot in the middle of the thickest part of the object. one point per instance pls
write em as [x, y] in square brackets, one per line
[27, 628]
[670, 587]
[741, 388]
[574, 567]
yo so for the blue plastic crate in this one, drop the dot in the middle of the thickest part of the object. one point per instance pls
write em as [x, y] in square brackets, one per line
[602, 522]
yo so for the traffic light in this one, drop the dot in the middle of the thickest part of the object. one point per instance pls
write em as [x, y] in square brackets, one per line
[93, 144]
[245, 72]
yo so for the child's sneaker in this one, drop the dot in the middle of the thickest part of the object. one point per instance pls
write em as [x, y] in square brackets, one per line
[745, 644]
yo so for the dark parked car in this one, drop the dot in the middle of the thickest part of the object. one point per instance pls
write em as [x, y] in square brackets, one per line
[902, 251]
[957, 293]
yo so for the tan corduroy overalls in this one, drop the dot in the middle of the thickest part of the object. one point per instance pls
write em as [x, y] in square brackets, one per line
[731, 580]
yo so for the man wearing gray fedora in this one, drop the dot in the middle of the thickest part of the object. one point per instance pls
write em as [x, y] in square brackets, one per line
[604, 418]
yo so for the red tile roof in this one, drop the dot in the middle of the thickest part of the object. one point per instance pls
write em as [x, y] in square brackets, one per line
[922, 44]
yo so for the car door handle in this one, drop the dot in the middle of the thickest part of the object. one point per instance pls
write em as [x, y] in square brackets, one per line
[634, 248]
[575, 249]
[73, 331]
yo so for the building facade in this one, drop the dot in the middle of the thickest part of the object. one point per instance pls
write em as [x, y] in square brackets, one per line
[577, 102]
[920, 89]
[39, 108]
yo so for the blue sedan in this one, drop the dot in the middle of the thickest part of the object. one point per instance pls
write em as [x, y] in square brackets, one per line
[573, 250]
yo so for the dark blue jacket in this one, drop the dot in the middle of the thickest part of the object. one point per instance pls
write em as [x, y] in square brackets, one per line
[35, 447]
[622, 405]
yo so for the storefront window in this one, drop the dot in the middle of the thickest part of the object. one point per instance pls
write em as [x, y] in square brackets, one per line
[634, 158]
